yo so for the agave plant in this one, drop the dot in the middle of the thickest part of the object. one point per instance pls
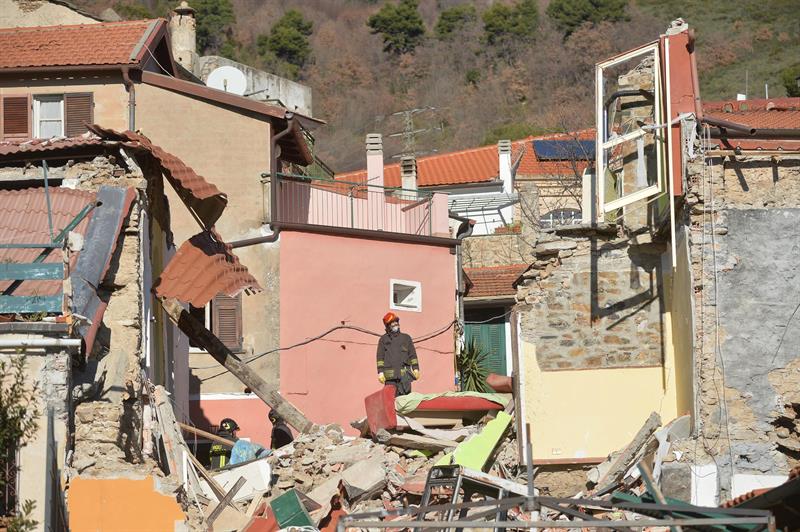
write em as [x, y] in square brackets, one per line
[472, 368]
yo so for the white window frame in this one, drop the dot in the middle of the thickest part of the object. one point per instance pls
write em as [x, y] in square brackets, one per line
[417, 288]
[602, 144]
[37, 100]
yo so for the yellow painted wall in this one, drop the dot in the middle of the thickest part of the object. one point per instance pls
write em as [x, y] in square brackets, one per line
[590, 413]
[679, 295]
[110, 96]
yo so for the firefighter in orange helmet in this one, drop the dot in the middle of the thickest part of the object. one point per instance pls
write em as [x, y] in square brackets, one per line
[397, 359]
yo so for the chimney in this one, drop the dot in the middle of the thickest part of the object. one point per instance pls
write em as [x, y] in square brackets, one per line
[183, 36]
[375, 159]
[504, 154]
[408, 172]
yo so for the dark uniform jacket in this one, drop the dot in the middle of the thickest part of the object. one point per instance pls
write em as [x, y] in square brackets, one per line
[281, 435]
[396, 355]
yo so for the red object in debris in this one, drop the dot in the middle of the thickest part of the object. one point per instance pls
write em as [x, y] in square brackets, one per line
[459, 404]
[500, 383]
[263, 524]
[380, 410]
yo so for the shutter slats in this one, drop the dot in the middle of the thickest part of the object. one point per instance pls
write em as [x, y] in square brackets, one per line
[226, 320]
[16, 117]
[78, 113]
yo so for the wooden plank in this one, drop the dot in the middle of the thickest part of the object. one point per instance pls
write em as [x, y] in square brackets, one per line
[214, 347]
[225, 501]
[33, 271]
[219, 492]
[204, 434]
[169, 433]
[412, 441]
[621, 464]
[27, 304]
[652, 487]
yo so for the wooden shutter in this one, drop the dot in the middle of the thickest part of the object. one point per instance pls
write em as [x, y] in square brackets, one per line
[491, 337]
[226, 320]
[78, 112]
[16, 117]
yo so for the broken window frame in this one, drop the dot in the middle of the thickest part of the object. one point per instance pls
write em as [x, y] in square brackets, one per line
[604, 144]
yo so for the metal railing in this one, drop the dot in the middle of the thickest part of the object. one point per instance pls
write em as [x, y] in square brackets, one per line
[325, 202]
[8, 480]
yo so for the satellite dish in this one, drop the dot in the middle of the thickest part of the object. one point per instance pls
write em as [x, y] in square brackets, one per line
[228, 79]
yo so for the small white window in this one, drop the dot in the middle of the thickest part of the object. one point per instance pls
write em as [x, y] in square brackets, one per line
[405, 295]
[48, 116]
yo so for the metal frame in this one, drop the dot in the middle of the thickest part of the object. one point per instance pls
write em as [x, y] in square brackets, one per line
[602, 144]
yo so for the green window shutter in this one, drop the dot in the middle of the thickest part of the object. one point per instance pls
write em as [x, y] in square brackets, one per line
[492, 338]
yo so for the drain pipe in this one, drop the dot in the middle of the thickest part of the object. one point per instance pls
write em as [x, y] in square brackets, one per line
[131, 88]
[273, 189]
[464, 231]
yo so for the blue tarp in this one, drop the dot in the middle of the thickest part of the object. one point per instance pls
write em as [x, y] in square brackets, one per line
[559, 150]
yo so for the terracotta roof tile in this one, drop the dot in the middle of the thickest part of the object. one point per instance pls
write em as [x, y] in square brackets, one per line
[475, 165]
[108, 43]
[203, 267]
[45, 145]
[775, 113]
[23, 220]
[493, 281]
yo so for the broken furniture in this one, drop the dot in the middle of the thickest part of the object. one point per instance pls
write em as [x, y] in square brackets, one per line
[444, 410]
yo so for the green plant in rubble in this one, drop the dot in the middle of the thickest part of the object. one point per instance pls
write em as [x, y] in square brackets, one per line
[472, 366]
[19, 415]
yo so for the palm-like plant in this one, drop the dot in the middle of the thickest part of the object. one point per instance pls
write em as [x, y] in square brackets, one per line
[472, 366]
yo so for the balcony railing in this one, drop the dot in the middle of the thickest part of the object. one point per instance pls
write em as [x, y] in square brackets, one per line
[326, 202]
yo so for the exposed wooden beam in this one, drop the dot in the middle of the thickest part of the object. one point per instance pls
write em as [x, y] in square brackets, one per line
[214, 347]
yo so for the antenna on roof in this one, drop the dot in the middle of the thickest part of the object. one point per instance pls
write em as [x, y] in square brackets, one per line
[409, 132]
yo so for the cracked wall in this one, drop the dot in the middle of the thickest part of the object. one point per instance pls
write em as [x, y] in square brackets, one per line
[744, 214]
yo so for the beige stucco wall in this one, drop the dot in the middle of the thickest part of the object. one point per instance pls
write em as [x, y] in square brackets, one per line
[110, 96]
[24, 13]
[231, 150]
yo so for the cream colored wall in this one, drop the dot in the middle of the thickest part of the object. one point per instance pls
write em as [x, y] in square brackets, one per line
[580, 414]
[110, 96]
[43, 14]
[231, 150]
[680, 304]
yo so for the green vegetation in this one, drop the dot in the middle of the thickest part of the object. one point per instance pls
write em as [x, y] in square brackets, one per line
[471, 362]
[288, 39]
[791, 80]
[400, 25]
[215, 21]
[18, 424]
[568, 15]
[740, 45]
[452, 21]
[504, 24]
[513, 131]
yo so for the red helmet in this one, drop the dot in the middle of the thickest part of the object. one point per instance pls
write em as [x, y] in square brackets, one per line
[390, 317]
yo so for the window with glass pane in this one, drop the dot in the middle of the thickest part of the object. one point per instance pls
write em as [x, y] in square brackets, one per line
[630, 148]
[49, 116]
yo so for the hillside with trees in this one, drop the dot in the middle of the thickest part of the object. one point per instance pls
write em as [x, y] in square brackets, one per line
[482, 70]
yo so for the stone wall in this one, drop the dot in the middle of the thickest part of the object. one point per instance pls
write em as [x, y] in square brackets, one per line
[593, 301]
[745, 251]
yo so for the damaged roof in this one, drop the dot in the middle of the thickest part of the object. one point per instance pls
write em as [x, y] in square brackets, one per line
[102, 44]
[203, 267]
[476, 165]
[23, 220]
[200, 196]
[774, 113]
[493, 281]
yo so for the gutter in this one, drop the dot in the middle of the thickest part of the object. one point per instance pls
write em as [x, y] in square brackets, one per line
[273, 175]
[464, 231]
[130, 86]
[41, 342]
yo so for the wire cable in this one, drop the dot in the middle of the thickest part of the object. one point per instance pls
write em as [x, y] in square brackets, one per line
[356, 328]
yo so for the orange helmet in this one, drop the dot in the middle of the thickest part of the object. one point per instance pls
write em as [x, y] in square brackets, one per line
[390, 317]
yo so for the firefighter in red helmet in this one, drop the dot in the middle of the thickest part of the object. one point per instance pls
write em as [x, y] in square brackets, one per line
[398, 365]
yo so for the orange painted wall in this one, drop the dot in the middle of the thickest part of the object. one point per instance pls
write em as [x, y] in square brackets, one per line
[120, 504]
[326, 280]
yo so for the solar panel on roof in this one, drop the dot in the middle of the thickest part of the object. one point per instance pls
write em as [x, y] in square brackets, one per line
[560, 150]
